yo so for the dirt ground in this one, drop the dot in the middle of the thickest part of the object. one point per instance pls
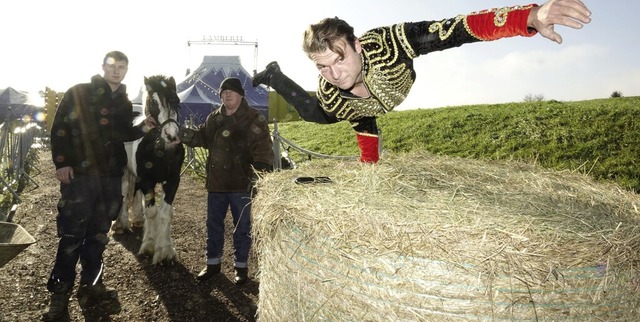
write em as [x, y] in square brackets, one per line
[147, 292]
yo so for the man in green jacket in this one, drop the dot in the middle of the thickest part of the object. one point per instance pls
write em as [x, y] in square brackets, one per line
[239, 143]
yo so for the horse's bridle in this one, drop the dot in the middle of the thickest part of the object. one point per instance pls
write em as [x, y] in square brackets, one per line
[158, 130]
[159, 127]
[169, 121]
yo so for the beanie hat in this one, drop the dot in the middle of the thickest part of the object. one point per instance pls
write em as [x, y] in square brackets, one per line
[232, 83]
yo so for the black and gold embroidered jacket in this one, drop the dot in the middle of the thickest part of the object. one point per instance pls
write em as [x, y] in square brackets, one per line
[388, 53]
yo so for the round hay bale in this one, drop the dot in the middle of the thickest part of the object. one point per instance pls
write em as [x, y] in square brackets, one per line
[424, 237]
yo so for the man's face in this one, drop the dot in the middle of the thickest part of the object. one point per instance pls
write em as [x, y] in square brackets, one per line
[114, 71]
[343, 72]
[231, 100]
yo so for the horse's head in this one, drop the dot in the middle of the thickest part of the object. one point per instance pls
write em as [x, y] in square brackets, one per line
[162, 104]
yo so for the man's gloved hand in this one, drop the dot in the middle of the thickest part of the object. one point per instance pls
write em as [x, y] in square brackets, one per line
[185, 134]
[252, 187]
[258, 167]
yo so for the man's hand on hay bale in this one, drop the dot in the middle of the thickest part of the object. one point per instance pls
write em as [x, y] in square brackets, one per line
[259, 169]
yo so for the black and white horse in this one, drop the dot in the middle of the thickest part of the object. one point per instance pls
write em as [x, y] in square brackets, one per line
[155, 159]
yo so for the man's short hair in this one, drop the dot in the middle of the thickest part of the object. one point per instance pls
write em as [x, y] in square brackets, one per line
[116, 56]
[327, 34]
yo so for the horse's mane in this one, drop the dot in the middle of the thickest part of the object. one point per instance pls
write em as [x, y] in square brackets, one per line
[156, 82]
[160, 84]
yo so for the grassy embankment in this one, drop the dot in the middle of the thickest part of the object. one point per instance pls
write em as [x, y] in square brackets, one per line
[599, 137]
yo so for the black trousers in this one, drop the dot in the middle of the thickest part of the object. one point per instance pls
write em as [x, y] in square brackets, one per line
[86, 208]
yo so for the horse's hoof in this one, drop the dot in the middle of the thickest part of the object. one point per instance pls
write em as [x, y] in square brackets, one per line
[164, 262]
[145, 249]
[167, 262]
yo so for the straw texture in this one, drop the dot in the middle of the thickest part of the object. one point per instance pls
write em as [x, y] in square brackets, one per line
[420, 237]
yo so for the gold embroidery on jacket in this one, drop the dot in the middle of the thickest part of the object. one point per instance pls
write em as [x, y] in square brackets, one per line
[387, 80]
[404, 42]
[445, 28]
[501, 17]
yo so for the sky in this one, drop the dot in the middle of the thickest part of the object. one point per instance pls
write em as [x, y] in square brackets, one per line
[57, 44]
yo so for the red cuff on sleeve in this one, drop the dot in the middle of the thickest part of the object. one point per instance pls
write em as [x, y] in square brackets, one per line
[499, 23]
[368, 144]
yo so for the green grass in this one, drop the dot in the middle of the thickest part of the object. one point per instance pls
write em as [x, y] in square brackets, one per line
[600, 137]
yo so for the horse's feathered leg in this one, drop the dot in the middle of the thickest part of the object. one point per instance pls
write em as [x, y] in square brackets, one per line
[121, 224]
[150, 232]
[164, 248]
[137, 210]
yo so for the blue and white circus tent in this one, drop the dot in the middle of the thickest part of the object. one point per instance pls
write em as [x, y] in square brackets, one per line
[199, 91]
[16, 104]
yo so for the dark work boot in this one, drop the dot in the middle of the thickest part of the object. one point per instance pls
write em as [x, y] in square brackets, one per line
[58, 308]
[264, 77]
[208, 272]
[241, 275]
[95, 293]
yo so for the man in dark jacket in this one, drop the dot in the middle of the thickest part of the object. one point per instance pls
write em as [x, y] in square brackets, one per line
[92, 122]
[239, 143]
